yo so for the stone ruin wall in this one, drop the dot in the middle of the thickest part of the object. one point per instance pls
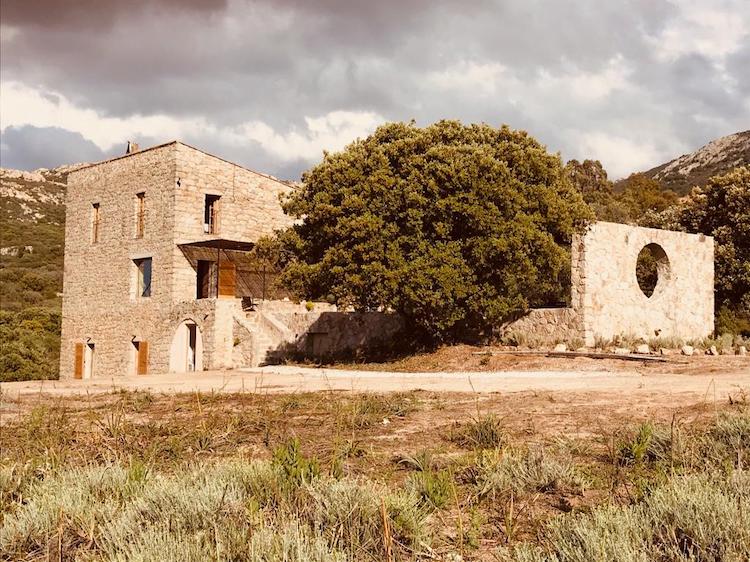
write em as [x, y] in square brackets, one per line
[606, 300]
[606, 291]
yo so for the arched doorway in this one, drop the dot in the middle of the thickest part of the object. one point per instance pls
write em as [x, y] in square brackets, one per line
[186, 352]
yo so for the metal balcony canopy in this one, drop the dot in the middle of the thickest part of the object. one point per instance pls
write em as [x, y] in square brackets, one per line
[220, 244]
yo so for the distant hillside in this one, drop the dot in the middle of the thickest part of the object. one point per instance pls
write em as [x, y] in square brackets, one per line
[32, 217]
[717, 157]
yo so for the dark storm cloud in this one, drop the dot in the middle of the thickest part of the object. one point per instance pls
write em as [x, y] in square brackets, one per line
[29, 148]
[281, 61]
[86, 14]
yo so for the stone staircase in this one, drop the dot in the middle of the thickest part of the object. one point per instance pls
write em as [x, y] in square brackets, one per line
[269, 335]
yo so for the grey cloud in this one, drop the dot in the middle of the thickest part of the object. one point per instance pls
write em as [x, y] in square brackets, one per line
[90, 14]
[29, 148]
[280, 61]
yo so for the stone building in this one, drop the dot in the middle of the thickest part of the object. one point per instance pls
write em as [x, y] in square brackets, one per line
[607, 300]
[158, 274]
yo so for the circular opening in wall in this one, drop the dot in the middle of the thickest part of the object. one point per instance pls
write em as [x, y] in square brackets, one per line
[651, 267]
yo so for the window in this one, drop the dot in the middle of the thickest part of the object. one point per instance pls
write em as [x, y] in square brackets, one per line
[211, 214]
[140, 214]
[95, 223]
[144, 277]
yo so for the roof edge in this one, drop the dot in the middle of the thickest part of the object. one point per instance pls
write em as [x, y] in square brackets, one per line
[178, 142]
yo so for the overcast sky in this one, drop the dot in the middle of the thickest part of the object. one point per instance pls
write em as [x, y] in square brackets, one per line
[270, 84]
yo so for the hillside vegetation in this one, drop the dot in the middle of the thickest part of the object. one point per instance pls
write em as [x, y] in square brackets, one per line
[32, 217]
[694, 169]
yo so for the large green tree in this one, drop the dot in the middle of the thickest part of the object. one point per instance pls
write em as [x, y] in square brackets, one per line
[454, 226]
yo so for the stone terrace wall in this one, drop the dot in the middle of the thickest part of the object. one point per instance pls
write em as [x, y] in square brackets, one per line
[324, 331]
[546, 326]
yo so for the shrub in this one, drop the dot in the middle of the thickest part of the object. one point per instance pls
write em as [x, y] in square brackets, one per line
[229, 511]
[482, 432]
[528, 470]
[688, 519]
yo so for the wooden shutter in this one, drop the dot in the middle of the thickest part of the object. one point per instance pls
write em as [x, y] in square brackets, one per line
[227, 279]
[78, 365]
[142, 357]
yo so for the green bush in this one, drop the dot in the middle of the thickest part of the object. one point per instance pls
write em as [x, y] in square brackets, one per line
[29, 344]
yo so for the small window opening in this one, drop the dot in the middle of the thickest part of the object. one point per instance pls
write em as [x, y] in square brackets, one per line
[144, 277]
[140, 214]
[95, 218]
[211, 214]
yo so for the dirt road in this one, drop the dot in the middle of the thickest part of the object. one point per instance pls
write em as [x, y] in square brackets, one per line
[292, 379]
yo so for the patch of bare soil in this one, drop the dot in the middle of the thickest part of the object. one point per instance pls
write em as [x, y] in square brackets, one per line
[487, 358]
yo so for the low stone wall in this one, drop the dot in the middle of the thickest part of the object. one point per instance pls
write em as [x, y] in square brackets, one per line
[545, 326]
[291, 330]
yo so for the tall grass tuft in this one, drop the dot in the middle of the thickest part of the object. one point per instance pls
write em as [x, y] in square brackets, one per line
[481, 432]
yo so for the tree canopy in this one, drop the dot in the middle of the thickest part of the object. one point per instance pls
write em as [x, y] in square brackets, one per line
[639, 194]
[454, 226]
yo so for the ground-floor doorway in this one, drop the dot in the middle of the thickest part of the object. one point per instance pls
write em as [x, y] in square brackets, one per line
[140, 357]
[88, 361]
[186, 352]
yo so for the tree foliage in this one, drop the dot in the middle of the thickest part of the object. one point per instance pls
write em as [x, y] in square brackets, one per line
[720, 209]
[453, 226]
[638, 195]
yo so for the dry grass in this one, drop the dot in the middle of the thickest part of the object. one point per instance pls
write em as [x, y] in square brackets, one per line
[341, 476]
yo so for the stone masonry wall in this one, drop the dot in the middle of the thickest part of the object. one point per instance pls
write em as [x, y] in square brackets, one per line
[605, 290]
[249, 207]
[100, 304]
[290, 329]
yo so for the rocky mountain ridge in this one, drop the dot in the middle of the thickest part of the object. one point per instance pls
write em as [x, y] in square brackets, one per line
[36, 196]
[694, 169]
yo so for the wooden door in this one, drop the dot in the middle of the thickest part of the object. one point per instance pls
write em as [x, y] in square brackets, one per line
[142, 359]
[78, 364]
[227, 279]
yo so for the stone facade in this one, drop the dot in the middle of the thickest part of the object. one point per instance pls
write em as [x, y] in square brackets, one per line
[152, 204]
[606, 300]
